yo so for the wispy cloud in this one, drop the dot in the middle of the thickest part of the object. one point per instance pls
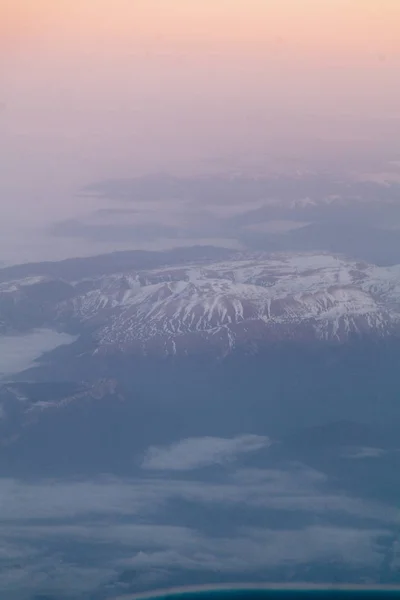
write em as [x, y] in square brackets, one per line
[50, 528]
[154, 553]
[296, 488]
[261, 548]
[364, 452]
[194, 453]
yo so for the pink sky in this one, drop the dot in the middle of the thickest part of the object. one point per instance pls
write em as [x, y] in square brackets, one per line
[94, 89]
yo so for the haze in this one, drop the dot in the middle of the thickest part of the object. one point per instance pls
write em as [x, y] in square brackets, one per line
[106, 89]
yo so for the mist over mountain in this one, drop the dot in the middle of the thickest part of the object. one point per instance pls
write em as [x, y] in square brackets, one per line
[173, 416]
[300, 212]
[199, 297]
[200, 399]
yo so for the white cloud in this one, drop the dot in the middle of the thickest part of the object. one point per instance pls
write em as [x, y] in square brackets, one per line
[296, 488]
[365, 452]
[125, 517]
[152, 550]
[194, 453]
[263, 548]
[18, 352]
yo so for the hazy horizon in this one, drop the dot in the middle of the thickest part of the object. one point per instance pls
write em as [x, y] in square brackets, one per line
[96, 90]
[224, 409]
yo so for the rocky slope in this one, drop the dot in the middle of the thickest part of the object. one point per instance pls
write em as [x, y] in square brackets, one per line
[242, 302]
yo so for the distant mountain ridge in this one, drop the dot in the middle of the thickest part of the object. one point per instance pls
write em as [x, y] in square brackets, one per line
[201, 301]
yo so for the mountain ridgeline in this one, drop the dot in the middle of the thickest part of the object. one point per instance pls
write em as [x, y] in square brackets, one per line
[207, 345]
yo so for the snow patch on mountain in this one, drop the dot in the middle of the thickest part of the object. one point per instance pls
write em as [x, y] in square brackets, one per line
[230, 303]
[242, 302]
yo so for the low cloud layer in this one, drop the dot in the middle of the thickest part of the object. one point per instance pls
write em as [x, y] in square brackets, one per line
[271, 212]
[79, 536]
[18, 352]
[194, 453]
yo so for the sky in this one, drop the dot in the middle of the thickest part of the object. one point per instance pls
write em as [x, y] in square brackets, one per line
[100, 89]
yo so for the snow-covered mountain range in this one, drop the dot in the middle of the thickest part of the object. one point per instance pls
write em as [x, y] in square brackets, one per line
[219, 306]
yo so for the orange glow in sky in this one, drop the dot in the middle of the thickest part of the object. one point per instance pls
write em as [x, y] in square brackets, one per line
[110, 88]
[347, 29]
